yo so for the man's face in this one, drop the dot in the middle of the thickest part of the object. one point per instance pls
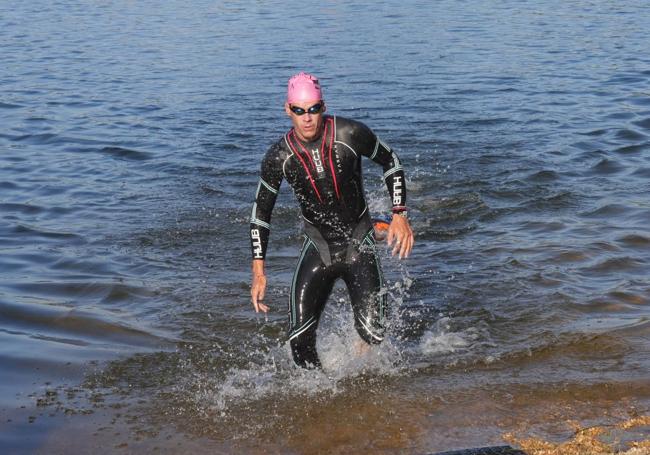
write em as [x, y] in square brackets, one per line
[308, 125]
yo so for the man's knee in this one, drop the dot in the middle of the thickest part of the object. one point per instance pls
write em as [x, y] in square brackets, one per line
[372, 332]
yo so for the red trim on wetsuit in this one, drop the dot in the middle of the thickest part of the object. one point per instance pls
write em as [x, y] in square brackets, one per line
[320, 152]
[336, 185]
[311, 179]
[304, 150]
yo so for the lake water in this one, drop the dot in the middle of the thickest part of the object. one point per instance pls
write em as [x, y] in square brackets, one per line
[131, 135]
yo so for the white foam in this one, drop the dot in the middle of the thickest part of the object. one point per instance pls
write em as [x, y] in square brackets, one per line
[343, 353]
[442, 340]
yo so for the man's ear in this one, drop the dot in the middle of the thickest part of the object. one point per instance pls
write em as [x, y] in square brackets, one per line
[287, 109]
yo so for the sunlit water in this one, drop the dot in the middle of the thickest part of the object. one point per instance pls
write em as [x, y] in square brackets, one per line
[130, 140]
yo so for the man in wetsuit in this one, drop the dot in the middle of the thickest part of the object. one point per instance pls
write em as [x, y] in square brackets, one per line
[320, 157]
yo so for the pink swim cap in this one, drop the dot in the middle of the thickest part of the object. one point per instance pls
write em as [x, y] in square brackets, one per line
[303, 87]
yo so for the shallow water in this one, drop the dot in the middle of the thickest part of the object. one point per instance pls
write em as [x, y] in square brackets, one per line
[130, 140]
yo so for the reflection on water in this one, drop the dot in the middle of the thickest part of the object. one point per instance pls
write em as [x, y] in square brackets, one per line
[129, 149]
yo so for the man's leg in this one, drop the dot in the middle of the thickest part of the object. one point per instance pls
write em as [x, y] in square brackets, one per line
[310, 289]
[364, 280]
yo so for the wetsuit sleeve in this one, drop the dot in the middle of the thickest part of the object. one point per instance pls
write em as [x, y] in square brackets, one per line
[375, 149]
[267, 191]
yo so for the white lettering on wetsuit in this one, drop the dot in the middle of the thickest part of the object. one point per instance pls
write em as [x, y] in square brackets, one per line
[257, 244]
[317, 161]
[397, 190]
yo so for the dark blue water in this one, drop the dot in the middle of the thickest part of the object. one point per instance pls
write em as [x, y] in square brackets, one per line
[131, 135]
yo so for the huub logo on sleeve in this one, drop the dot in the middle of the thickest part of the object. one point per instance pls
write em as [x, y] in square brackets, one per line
[257, 243]
[397, 190]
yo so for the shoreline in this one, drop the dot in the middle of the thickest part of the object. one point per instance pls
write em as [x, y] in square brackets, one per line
[83, 418]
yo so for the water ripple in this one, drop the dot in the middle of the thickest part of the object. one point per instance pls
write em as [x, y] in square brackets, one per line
[9, 106]
[83, 325]
[636, 240]
[125, 154]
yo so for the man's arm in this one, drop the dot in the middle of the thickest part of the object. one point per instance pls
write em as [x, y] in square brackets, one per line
[399, 232]
[260, 227]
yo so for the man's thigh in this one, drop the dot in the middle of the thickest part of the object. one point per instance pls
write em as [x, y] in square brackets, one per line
[310, 288]
[364, 281]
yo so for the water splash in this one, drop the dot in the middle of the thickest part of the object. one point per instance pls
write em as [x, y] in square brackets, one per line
[269, 380]
[442, 340]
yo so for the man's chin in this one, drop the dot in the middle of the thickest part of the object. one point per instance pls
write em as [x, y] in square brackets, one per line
[308, 135]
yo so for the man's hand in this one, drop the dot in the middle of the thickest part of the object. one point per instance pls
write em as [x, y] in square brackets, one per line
[259, 286]
[400, 233]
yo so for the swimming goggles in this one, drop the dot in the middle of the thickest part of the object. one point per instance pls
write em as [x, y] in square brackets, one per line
[313, 110]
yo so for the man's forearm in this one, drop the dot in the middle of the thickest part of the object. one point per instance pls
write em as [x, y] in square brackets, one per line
[258, 267]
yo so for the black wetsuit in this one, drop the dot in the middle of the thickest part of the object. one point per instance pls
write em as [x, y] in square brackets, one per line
[326, 177]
